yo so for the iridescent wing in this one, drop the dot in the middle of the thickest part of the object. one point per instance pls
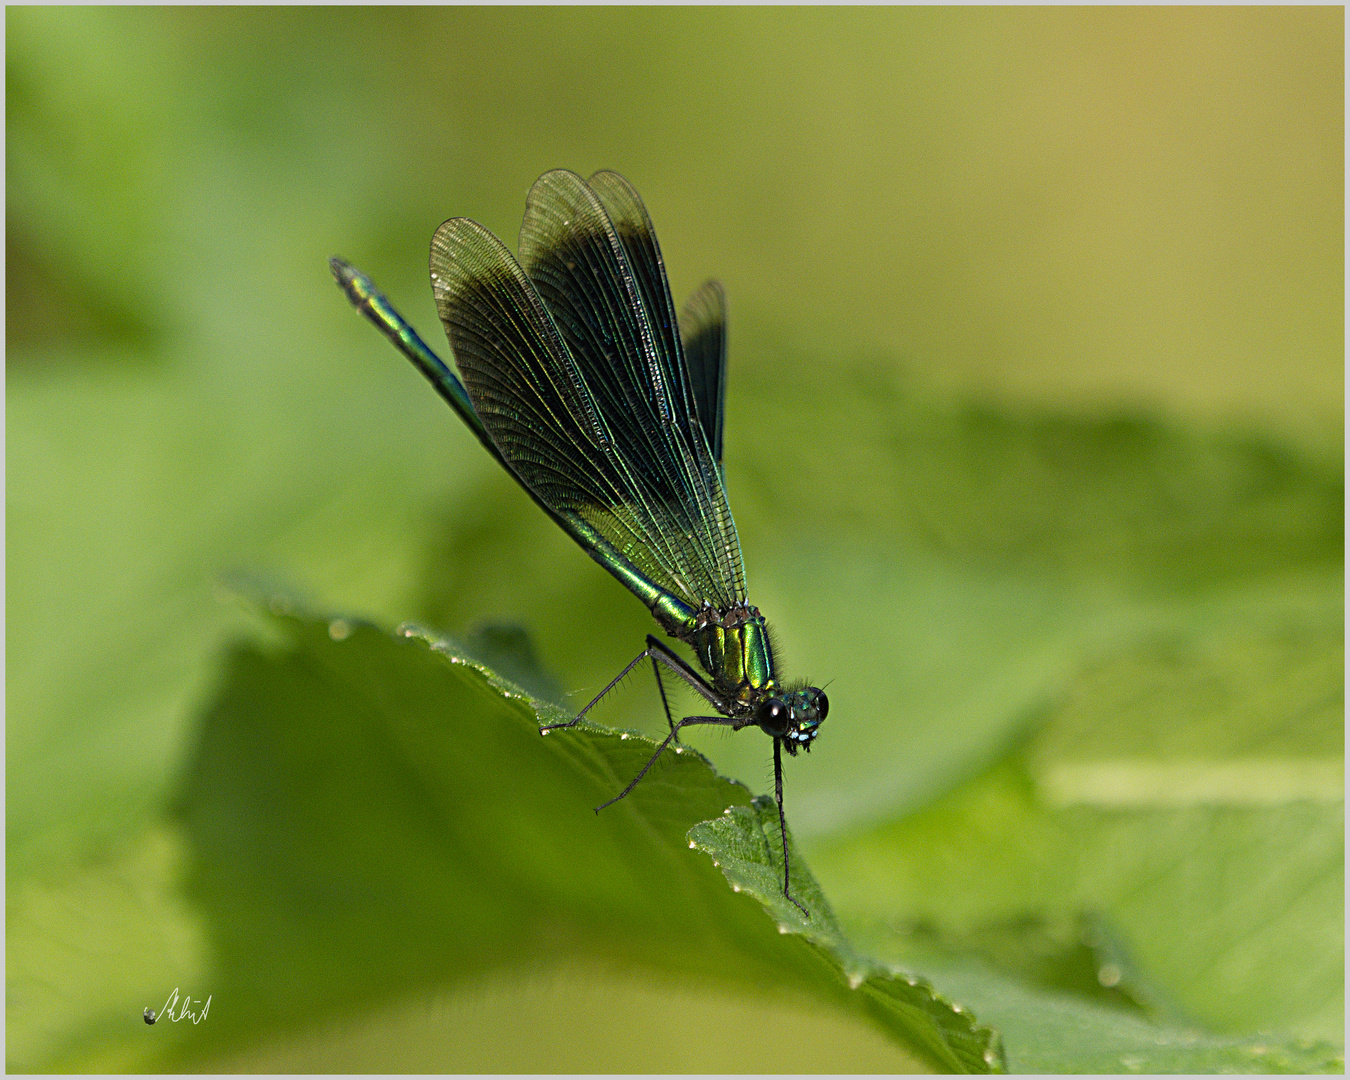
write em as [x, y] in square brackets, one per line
[699, 333]
[703, 336]
[584, 390]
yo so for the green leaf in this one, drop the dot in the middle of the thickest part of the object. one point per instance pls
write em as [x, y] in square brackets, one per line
[367, 817]
[1050, 1032]
[742, 841]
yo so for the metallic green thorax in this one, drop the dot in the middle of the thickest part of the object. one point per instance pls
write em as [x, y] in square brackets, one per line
[733, 647]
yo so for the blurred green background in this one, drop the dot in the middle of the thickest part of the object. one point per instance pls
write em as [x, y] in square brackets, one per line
[1034, 443]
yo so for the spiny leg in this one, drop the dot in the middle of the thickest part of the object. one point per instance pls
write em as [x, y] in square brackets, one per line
[656, 670]
[782, 821]
[595, 700]
[674, 730]
[658, 651]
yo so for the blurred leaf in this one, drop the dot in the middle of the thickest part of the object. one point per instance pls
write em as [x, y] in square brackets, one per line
[90, 946]
[1250, 675]
[1064, 954]
[1188, 788]
[87, 219]
[508, 650]
[1050, 1032]
[45, 305]
[1223, 921]
[130, 493]
[1099, 497]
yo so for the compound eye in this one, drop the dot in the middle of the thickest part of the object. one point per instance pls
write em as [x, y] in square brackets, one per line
[822, 705]
[775, 714]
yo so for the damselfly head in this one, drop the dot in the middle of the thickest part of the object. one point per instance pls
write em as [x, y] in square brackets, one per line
[793, 716]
